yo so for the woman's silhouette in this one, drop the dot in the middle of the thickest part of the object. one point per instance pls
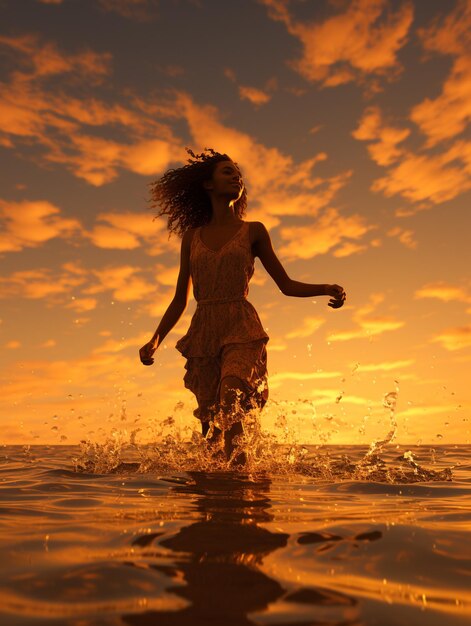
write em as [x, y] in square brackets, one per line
[225, 346]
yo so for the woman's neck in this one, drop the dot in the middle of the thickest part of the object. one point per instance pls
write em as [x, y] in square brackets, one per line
[223, 213]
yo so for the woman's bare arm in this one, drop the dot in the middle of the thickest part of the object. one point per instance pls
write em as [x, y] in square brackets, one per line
[264, 250]
[182, 290]
[176, 306]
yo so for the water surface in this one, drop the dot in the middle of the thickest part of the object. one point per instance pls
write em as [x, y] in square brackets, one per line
[322, 536]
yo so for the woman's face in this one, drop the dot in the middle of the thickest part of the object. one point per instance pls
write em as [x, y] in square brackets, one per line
[226, 180]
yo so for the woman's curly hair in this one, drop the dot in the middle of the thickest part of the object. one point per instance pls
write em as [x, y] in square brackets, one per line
[180, 194]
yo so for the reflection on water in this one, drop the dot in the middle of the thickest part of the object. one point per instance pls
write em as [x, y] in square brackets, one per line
[220, 557]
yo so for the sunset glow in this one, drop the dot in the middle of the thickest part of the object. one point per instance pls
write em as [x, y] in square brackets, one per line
[350, 123]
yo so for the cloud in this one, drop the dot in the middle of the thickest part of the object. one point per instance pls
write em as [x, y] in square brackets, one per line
[405, 236]
[38, 110]
[307, 328]
[445, 292]
[49, 343]
[278, 186]
[13, 344]
[325, 233]
[29, 223]
[369, 328]
[276, 380]
[124, 282]
[420, 177]
[172, 70]
[349, 248]
[273, 179]
[454, 338]
[41, 283]
[167, 276]
[97, 160]
[449, 113]
[277, 346]
[255, 95]
[128, 230]
[425, 176]
[113, 346]
[139, 10]
[328, 397]
[40, 61]
[360, 42]
[56, 375]
[427, 410]
[385, 139]
[427, 179]
[76, 288]
[289, 196]
[368, 325]
[385, 366]
[82, 304]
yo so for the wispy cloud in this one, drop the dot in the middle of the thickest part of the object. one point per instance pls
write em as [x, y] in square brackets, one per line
[369, 325]
[445, 291]
[454, 338]
[306, 328]
[139, 10]
[384, 139]
[37, 111]
[360, 41]
[125, 282]
[77, 288]
[405, 235]
[256, 95]
[325, 233]
[437, 171]
[30, 223]
[13, 344]
[56, 374]
[448, 114]
[44, 283]
[276, 380]
[422, 178]
[278, 185]
[269, 171]
[385, 366]
[129, 230]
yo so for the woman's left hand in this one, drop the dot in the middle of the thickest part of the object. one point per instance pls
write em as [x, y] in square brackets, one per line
[338, 296]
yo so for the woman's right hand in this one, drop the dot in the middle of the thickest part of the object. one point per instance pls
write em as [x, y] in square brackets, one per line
[146, 352]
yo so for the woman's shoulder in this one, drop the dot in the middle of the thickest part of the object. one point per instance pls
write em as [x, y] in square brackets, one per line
[257, 230]
[188, 236]
[189, 232]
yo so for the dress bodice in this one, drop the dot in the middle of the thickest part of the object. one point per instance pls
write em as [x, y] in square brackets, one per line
[220, 287]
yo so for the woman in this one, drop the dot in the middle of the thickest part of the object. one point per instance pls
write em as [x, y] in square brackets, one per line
[225, 345]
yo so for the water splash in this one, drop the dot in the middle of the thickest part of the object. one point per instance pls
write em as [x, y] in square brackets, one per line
[183, 449]
[371, 461]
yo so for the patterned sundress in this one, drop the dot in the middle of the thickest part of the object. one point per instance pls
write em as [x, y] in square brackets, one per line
[226, 336]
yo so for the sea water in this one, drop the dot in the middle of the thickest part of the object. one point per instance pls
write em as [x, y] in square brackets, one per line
[124, 534]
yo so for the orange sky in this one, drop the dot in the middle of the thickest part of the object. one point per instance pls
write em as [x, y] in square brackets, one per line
[350, 121]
